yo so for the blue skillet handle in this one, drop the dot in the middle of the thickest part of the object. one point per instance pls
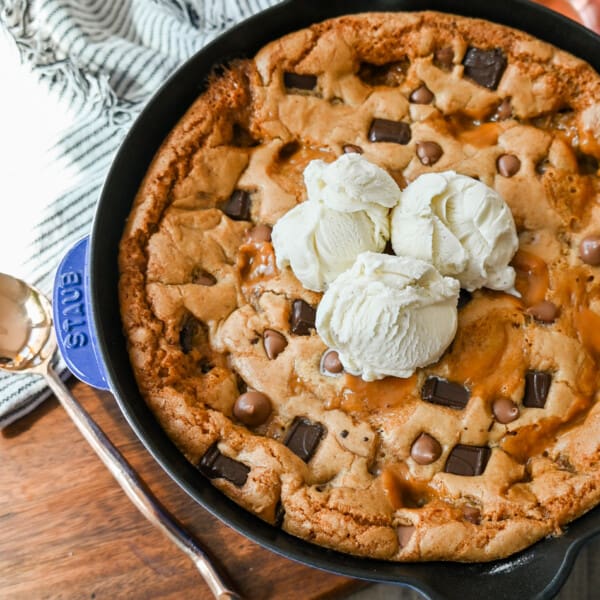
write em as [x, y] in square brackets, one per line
[73, 317]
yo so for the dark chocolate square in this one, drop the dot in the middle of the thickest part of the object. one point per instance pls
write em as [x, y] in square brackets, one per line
[467, 460]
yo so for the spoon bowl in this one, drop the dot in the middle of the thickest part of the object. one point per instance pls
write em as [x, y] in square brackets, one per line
[28, 345]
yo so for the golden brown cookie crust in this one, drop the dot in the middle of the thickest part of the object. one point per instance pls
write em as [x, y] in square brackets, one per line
[197, 292]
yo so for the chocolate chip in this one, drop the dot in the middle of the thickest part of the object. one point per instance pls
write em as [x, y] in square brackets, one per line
[352, 149]
[429, 152]
[445, 393]
[384, 130]
[467, 460]
[422, 95]
[485, 67]
[505, 410]
[202, 277]
[425, 449]
[504, 110]
[508, 165]
[260, 233]
[404, 532]
[279, 514]
[304, 437]
[215, 465]
[472, 514]
[192, 333]
[302, 319]
[274, 343]
[238, 206]
[545, 311]
[299, 82]
[252, 408]
[464, 298]
[331, 362]
[589, 250]
[444, 57]
[537, 386]
[344, 433]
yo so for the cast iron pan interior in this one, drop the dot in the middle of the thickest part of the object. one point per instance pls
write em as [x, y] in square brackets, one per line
[537, 572]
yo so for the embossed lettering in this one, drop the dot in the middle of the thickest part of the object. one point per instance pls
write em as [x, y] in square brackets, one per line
[76, 340]
[69, 296]
[68, 325]
[70, 278]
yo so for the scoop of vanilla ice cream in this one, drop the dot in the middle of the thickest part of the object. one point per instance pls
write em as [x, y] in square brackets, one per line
[461, 226]
[346, 213]
[388, 315]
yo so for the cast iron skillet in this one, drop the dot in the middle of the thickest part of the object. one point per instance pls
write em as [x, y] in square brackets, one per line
[537, 572]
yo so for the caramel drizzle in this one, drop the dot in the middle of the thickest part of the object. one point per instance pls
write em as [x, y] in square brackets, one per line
[532, 279]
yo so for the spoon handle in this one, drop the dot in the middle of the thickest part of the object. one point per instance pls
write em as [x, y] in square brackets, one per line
[137, 490]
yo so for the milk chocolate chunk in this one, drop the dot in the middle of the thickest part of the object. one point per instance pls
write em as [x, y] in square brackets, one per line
[444, 57]
[202, 277]
[425, 449]
[467, 460]
[505, 410]
[299, 82]
[537, 386]
[331, 362]
[446, 393]
[422, 95]
[238, 206]
[508, 165]
[252, 408]
[302, 319]
[429, 152]
[544, 311]
[589, 250]
[405, 532]
[274, 343]
[352, 149]
[303, 437]
[485, 67]
[260, 233]
[215, 465]
[384, 130]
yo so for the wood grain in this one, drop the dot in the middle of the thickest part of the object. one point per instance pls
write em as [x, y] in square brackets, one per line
[68, 531]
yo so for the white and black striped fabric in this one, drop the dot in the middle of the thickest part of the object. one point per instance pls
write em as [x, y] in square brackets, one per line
[99, 60]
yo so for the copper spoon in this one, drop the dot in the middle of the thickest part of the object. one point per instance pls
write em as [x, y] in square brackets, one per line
[27, 345]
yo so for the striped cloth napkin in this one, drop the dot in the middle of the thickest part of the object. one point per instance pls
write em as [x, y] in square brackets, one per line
[75, 75]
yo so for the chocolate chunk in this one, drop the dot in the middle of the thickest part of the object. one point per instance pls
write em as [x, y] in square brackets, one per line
[472, 514]
[464, 298]
[589, 250]
[279, 514]
[304, 437]
[274, 343]
[252, 408]
[405, 532]
[504, 110]
[444, 57]
[537, 386]
[422, 95]
[445, 393]
[467, 460]
[352, 149]
[260, 233]
[508, 165]
[505, 410]
[544, 311]
[384, 130]
[214, 465]
[238, 206]
[429, 152]
[331, 362]
[302, 319]
[425, 449]
[202, 277]
[192, 333]
[299, 82]
[485, 67]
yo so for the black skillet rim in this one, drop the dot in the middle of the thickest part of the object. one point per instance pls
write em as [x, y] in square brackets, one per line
[538, 572]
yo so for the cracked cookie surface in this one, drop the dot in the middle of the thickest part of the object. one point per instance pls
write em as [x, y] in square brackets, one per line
[474, 457]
